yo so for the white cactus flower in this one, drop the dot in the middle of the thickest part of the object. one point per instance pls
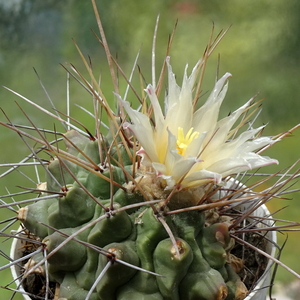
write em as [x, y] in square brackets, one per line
[190, 148]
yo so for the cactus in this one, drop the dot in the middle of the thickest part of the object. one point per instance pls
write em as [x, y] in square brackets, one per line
[150, 210]
[186, 267]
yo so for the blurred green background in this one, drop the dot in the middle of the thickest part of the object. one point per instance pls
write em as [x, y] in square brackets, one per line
[261, 50]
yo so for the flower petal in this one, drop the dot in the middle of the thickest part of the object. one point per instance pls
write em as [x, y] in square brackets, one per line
[142, 130]
[200, 177]
[159, 118]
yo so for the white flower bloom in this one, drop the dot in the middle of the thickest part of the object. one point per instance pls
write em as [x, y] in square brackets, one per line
[192, 147]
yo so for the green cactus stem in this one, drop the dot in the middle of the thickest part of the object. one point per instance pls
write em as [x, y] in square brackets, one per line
[171, 266]
[33, 215]
[193, 267]
[201, 280]
[70, 290]
[236, 288]
[213, 240]
[71, 210]
[100, 187]
[118, 274]
[115, 228]
[69, 257]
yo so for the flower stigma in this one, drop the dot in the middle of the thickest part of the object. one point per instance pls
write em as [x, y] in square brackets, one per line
[184, 141]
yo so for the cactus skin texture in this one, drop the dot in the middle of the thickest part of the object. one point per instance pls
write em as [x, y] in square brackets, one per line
[191, 266]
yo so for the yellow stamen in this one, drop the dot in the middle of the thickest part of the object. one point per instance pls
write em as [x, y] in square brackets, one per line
[184, 141]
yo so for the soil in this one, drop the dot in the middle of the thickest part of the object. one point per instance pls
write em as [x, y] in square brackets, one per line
[254, 263]
[35, 284]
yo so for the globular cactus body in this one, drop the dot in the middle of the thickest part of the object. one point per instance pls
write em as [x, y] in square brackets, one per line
[188, 267]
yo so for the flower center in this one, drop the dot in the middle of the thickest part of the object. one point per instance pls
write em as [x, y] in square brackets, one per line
[184, 141]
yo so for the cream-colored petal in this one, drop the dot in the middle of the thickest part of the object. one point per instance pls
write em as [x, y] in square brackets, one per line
[217, 95]
[261, 161]
[145, 138]
[182, 167]
[230, 165]
[200, 177]
[136, 116]
[146, 161]
[195, 147]
[142, 130]
[208, 119]
[220, 133]
[158, 115]
[159, 168]
[170, 182]
[216, 151]
[256, 144]
[179, 102]
[234, 165]
[185, 109]
[205, 118]
[173, 89]
[219, 90]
